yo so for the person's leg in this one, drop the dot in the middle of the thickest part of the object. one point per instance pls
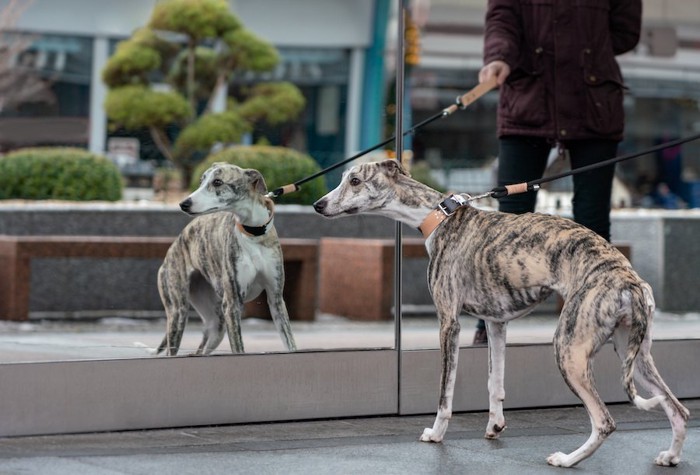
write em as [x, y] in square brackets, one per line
[520, 159]
[593, 189]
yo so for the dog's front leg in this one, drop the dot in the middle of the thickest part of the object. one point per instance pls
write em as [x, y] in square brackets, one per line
[233, 310]
[449, 348]
[496, 332]
[280, 317]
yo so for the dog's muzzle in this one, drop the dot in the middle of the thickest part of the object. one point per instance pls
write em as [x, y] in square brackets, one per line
[186, 205]
[320, 205]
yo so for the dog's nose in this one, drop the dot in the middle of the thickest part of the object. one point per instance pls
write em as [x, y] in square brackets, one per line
[186, 205]
[320, 205]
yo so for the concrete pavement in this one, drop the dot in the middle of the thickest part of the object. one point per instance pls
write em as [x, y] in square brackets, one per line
[379, 445]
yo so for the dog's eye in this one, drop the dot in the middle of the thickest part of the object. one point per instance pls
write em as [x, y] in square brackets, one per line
[354, 181]
[217, 182]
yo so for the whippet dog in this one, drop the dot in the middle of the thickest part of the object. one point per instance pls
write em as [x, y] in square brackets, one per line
[498, 266]
[225, 257]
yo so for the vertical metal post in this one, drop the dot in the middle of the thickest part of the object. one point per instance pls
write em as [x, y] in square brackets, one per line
[399, 152]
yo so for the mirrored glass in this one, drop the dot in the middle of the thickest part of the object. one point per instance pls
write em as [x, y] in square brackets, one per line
[288, 91]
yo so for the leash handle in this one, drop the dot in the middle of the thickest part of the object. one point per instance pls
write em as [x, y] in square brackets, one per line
[283, 190]
[471, 96]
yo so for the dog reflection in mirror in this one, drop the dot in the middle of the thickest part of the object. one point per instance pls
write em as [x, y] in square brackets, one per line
[223, 258]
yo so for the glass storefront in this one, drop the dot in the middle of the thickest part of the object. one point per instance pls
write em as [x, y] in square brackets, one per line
[45, 90]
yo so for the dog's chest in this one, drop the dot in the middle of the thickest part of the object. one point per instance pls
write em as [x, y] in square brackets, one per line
[255, 266]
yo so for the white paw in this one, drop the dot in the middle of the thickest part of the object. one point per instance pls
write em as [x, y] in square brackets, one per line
[493, 431]
[559, 459]
[430, 436]
[667, 459]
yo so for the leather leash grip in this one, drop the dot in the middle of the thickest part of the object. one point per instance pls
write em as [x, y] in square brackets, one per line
[470, 96]
[476, 92]
[516, 189]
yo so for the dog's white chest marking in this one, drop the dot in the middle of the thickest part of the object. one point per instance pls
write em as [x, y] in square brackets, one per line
[255, 269]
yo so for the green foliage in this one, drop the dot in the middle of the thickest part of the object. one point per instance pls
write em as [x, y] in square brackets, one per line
[274, 103]
[279, 165]
[130, 64]
[198, 19]
[225, 127]
[197, 46]
[134, 107]
[247, 51]
[58, 174]
[205, 60]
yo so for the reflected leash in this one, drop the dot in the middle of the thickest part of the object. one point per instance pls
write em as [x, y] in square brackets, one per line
[462, 102]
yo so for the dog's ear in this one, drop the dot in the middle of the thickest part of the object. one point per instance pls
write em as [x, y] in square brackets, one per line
[393, 168]
[256, 180]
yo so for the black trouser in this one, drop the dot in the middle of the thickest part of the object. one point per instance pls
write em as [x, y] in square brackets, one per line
[523, 159]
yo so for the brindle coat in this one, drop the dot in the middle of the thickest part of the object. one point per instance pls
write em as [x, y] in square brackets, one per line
[498, 267]
[217, 266]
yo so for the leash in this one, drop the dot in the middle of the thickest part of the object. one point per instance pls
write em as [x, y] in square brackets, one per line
[452, 203]
[534, 185]
[462, 102]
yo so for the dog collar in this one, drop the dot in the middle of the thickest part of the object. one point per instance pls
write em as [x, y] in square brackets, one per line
[444, 210]
[258, 230]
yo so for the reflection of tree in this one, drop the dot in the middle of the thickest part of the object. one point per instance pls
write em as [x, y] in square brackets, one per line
[20, 81]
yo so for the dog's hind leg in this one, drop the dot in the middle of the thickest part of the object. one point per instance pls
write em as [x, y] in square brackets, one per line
[574, 349]
[172, 286]
[449, 349]
[208, 306]
[497, 350]
[648, 377]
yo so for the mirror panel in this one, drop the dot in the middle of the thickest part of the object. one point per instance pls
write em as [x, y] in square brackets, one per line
[68, 302]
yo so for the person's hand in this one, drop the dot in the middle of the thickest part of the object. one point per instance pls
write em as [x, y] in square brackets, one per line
[495, 69]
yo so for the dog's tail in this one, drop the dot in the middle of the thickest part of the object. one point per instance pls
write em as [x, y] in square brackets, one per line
[642, 306]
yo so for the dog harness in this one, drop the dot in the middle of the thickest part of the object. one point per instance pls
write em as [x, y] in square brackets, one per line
[258, 230]
[444, 210]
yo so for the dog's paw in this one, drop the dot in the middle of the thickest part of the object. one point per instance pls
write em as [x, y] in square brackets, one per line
[559, 459]
[493, 431]
[667, 459]
[429, 435]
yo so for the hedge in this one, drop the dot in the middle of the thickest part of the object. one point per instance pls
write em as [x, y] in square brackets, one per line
[59, 173]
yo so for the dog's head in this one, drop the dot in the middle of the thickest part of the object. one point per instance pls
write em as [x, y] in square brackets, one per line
[363, 189]
[224, 187]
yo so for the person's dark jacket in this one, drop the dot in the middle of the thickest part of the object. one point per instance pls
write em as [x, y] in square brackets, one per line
[565, 83]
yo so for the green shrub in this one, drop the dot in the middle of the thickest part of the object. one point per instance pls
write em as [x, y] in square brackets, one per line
[280, 166]
[58, 174]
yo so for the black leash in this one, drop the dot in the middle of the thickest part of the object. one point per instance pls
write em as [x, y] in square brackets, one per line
[503, 191]
[461, 103]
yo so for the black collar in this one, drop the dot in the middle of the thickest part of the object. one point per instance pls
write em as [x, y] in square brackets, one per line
[258, 230]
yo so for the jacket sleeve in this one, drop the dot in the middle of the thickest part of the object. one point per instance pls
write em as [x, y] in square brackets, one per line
[625, 24]
[503, 32]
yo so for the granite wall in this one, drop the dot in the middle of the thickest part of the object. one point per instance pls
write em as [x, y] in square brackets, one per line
[665, 252]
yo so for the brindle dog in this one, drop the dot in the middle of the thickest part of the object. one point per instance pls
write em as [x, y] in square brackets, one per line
[222, 259]
[498, 267]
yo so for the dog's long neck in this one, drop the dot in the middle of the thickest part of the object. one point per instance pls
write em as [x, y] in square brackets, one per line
[256, 212]
[411, 201]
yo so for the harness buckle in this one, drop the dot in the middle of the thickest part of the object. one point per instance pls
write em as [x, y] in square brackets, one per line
[451, 204]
